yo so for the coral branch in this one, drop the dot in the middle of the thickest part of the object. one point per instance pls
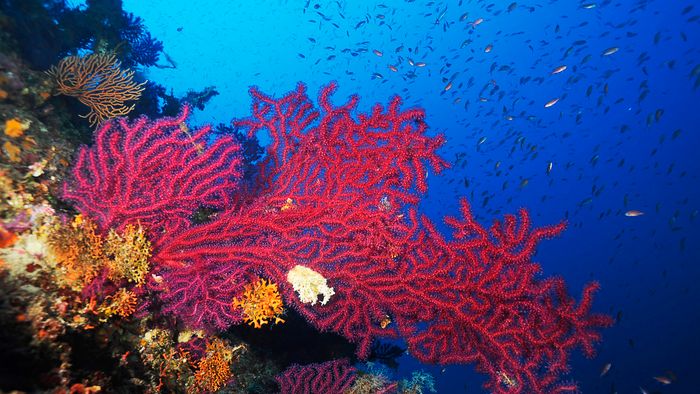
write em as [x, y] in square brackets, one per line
[98, 81]
[330, 377]
[156, 173]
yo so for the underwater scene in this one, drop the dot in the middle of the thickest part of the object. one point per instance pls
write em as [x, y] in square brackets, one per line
[397, 196]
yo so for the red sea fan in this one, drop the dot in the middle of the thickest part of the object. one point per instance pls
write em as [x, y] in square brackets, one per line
[336, 198]
[155, 173]
[202, 299]
[337, 186]
[335, 376]
[338, 195]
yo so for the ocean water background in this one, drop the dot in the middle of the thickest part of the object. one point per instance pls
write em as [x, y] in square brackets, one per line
[623, 136]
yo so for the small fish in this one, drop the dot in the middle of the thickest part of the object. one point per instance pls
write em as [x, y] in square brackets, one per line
[662, 379]
[558, 69]
[448, 86]
[393, 68]
[378, 52]
[658, 114]
[633, 213]
[549, 167]
[442, 14]
[481, 141]
[385, 321]
[551, 102]
[605, 369]
[610, 51]
[488, 48]
[420, 64]
[695, 71]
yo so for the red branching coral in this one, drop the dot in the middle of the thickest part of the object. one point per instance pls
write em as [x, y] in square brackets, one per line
[330, 377]
[154, 173]
[335, 203]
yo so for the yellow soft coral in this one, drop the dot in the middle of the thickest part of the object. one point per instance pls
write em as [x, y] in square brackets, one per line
[261, 301]
[88, 233]
[214, 369]
[81, 253]
[12, 151]
[15, 128]
[78, 252]
[129, 254]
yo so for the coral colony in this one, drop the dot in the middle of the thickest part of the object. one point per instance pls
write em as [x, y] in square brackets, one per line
[331, 225]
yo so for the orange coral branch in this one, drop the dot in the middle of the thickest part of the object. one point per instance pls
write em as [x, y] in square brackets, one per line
[97, 81]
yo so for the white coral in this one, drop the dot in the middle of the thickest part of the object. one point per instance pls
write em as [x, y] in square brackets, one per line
[309, 284]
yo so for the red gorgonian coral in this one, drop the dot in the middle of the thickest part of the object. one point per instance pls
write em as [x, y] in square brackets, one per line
[337, 195]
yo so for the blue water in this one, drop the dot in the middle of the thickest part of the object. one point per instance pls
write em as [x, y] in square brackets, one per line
[608, 161]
